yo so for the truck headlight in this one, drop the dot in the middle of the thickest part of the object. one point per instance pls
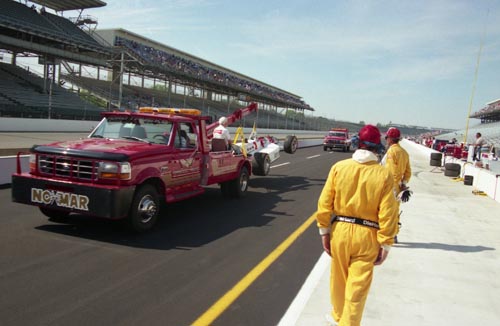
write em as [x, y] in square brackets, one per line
[115, 170]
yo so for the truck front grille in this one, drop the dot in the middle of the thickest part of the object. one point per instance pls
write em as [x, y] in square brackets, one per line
[67, 167]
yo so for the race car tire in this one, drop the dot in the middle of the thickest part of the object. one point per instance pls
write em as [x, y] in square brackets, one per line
[145, 209]
[291, 144]
[435, 162]
[436, 156]
[55, 215]
[451, 173]
[236, 188]
[261, 164]
[468, 180]
[452, 166]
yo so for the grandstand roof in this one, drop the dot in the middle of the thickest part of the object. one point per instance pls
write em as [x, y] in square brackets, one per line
[494, 102]
[63, 5]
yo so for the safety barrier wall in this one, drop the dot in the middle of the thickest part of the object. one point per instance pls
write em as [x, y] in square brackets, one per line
[45, 125]
[483, 180]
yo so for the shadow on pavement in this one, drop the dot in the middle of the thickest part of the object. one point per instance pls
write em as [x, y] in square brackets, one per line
[442, 246]
[194, 222]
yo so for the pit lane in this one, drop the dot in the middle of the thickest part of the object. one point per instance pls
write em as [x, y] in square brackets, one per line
[93, 271]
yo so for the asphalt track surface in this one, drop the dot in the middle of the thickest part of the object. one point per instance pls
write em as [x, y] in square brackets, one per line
[95, 272]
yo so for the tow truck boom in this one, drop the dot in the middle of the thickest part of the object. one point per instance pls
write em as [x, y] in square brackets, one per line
[236, 115]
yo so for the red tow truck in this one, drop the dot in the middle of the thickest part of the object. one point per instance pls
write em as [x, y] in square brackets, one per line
[337, 138]
[129, 163]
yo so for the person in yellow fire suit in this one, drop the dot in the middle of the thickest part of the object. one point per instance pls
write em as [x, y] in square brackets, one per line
[357, 219]
[397, 161]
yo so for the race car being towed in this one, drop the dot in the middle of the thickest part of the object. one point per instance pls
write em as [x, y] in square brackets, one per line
[265, 150]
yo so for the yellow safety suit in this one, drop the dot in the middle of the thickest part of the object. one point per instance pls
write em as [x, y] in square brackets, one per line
[398, 162]
[358, 187]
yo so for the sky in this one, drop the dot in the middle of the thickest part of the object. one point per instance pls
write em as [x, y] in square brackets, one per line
[376, 61]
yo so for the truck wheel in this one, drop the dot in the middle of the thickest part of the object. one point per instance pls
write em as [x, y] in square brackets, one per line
[325, 148]
[54, 215]
[291, 144]
[144, 209]
[261, 164]
[236, 188]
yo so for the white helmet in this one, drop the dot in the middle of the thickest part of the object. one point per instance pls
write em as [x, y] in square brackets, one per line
[222, 120]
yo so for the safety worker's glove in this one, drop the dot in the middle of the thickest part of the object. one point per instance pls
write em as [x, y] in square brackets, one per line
[405, 195]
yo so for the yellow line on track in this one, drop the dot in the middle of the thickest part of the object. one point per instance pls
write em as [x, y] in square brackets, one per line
[227, 299]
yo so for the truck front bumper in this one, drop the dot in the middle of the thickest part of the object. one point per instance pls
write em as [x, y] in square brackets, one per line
[105, 201]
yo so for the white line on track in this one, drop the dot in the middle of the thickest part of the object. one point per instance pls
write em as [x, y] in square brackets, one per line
[313, 156]
[275, 166]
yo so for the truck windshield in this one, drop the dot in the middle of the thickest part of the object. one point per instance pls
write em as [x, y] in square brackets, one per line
[149, 130]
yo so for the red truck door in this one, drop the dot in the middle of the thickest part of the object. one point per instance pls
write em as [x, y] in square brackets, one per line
[184, 163]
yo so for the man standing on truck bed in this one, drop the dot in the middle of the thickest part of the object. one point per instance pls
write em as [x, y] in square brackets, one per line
[221, 131]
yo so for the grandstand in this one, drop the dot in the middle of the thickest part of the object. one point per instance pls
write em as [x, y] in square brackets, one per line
[24, 92]
[489, 126]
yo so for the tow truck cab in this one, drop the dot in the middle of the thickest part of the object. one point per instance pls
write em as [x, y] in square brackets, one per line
[337, 138]
[128, 164]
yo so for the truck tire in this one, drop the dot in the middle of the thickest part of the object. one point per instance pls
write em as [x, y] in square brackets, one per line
[261, 164]
[325, 148]
[291, 144]
[236, 188]
[468, 180]
[144, 209]
[55, 215]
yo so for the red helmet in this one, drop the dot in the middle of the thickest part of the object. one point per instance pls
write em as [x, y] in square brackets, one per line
[393, 133]
[369, 135]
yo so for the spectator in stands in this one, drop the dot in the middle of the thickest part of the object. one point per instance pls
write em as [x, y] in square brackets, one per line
[221, 131]
[357, 218]
[397, 161]
[477, 147]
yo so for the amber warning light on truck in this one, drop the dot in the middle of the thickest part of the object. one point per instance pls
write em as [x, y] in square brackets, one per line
[194, 112]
